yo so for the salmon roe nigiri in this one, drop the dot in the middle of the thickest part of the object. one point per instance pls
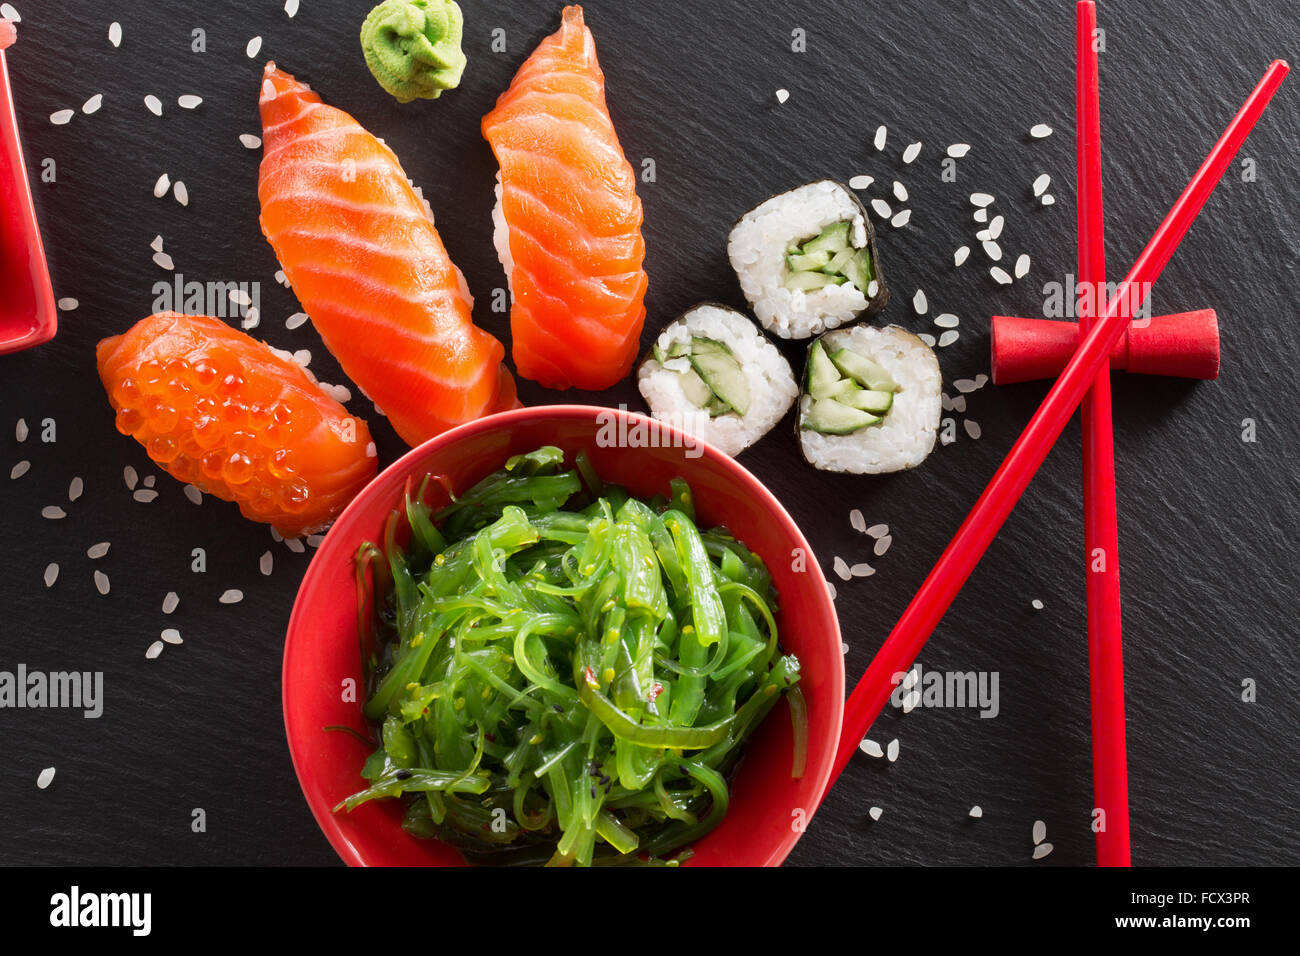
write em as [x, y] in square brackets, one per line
[220, 410]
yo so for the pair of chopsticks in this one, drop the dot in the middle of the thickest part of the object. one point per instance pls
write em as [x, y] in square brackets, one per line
[1086, 368]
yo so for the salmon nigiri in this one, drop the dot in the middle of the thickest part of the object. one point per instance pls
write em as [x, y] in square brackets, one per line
[223, 411]
[568, 218]
[360, 249]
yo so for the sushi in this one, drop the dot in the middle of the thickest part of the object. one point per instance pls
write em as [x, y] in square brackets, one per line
[359, 248]
[218, 409]
[712, 374]
[871, 401]
[568, 219]
[807, 260]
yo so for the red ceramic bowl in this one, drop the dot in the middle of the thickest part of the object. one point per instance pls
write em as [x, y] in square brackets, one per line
[322, 652]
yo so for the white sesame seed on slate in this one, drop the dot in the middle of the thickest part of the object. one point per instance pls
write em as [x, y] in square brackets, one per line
[782, 95]
[965, 385]
[995, 227]
[231, 596]
[871, 748]
[878, 530]
[981, 199]
[1000, 274]
[958, 150]
[181, 193]
[862, 570]
[891, 751]
[1036, 604]
[189, 101]
[1022, 265]
[20, 469]
[291, 7]
[62, 117]
[875, 813]
[194, 494]
[45, 778]
[171, 636]
[115, 33]
[926, 337]
[170, 602]
[972, 427]
[960, 255]
[1040, 131]
[295, 320]
[861, 182]
[93, 104]
[912, 151]
[97, 551]
[265, 563]
[51, 574]
[153, 105]
[130, 477]
[948, 337]
[144, 495]
[295, 545]
[251, 320]
[302, 357]
[250, 141]
[1048, 199]
[881, 208]
[857, 521]
[1042, 850]
[992, 250]
[163, 261]
[253, 48]
[841, 568]
[946, 437]
[981, 215]
[101, 582]
[315, 540]
[882, 544]
[900, 191]
[947, 321]
[919, 302]
[68, 305]
[153, 650]
[901, 219]
[1040, 831]
[1041, 184]
[976, 811]
[959, 404]
[53, 512]
[20, 429]
[881, 135]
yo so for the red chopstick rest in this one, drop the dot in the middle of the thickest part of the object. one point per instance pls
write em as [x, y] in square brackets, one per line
[27, 312]
[1184, 345]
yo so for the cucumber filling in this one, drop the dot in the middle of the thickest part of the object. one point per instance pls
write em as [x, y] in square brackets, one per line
[830, 258]
[849, 391]
[715, 380]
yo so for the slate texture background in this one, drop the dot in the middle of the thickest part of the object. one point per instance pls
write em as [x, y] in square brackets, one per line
[1208, 522]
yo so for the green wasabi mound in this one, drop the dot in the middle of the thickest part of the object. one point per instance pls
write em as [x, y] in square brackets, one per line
[413, 47]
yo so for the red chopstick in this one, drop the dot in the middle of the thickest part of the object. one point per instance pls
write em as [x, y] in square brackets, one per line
[1100, 522]
[1008, 484]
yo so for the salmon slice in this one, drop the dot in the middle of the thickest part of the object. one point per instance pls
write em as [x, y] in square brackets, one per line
[218, 409]
[568, 218]
[360, 250]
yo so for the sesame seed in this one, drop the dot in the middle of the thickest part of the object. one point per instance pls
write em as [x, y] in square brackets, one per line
[45, 778]
[20, 469]
[861, 182]
[101, 582]
[871, 748]
[97, 551]
[958, 150]
[1041, 184]
[881, 135]
[250, 141]
[51, 574]
[960, 255]
[912, 151]
[857, 521]
[62, 117]
[947, 321]
[115, 33]
[172, 636]
[232, 596]
[170, 602]
[93, 104]
[153, 105]
[53, 512]
[265, 563]
[1040, 131]
[253, 48]
[154, 650]
[881, 208]
[189, 101]
[882, 544]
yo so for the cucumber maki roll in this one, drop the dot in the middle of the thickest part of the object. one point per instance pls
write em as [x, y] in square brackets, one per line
[870, 401]
[807, 260]
[712, 374]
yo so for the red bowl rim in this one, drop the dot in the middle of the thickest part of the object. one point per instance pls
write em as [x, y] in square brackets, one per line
[749, 484]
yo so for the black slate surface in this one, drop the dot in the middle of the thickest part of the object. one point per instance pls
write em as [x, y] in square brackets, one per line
[1208, 521]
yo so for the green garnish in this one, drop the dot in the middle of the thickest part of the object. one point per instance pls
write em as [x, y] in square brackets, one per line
[413, 47]
[830, 258]
[562, 673]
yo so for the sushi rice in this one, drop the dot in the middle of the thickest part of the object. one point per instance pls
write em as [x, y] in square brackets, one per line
[758, 245]
[907, 434]
[771, 381]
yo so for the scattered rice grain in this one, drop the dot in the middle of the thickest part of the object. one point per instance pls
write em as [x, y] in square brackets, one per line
[1022, 265]
[189, 101]
[862, 570]
[97, 551]
[1036, 604]
[265, 563]
[170, 602]
[882, 544]
[871, 748]
[972, 428]
[154, 650]
[958, 150]
[878, 530]
[51, 574]
[1048, 199]
[1000, 274]
[153, 105]
[194, 494]
[253, 48]
[295, 320]
[251, 320]
[291, 7]
[115, 33]
[93, 104]
[861, 182]
[901, 219]
[1040, 832]
[181, 193]
[1040, 131]
[144, 495]
[161, 186]
[20, 429]
[995, 227]
[881, 135]
[163, 261]
[1042, 850]
[101, 582]
[947, 321]
[960, 255]
[20, 469]
[68, 305]
[965, 385]
[62, 117]
[891, 752]
[948, 337]
[53, 512]
[857, 521]
[900, 191]
[976, 811]
[926, 337]
[920, 303]
[130, 477]
[912, 151]
[250, 141]
[782, 95]
[881, 208]
[1041, 184]
[981, 199]
[841, 568]
[46, 776]
[231, 596]
[992, 250]
[172, 636]
[295, 545]
[875, 813]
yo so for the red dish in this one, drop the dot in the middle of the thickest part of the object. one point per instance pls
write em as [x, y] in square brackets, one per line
[321, 652]
[27, 311]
